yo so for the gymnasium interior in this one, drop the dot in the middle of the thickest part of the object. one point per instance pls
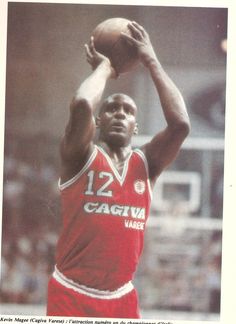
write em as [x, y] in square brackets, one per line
[179, 275]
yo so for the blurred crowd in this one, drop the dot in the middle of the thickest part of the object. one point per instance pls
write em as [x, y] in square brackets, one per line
[30, 224]
[181, 272]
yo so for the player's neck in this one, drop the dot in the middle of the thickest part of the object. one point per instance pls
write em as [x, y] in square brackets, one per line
[116, 153]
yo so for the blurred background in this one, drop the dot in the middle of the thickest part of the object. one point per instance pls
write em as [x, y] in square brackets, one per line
[179, 276]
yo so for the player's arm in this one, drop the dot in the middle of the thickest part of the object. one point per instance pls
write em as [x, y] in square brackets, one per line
[164, 147]
[77, 143]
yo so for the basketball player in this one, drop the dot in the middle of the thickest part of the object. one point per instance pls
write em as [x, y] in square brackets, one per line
[106, 189]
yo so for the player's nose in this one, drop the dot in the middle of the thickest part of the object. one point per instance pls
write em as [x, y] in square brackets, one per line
[120, 112]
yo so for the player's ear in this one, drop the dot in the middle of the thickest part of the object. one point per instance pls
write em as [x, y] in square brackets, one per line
[136, 129]
[97, 122]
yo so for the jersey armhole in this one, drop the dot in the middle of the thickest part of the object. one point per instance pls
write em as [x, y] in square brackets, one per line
[143, 157]
[69, 182]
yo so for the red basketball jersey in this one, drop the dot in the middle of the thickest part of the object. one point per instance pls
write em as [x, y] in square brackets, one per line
[104, 216]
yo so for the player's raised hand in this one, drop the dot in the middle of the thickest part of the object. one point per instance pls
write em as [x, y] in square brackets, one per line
[140, 39]
[94, 58]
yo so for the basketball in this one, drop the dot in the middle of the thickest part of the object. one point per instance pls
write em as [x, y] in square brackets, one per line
[107, 41]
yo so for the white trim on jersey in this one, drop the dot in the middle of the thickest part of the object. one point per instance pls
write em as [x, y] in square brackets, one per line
[66, 184]
[143, 156]
[92, 292]
[119, 177]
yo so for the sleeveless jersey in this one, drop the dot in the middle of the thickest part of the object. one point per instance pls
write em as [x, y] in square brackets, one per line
[104, 216]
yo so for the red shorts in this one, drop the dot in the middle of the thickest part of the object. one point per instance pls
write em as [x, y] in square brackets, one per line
[64, 301]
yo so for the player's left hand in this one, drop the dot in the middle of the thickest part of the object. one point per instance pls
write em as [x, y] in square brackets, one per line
[140, 39]
[94, 58]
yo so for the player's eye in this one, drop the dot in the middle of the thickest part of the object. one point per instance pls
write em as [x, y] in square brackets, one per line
[129, 110]
[112, 108]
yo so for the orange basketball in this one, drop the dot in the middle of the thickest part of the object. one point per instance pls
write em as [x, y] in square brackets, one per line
[107, 40]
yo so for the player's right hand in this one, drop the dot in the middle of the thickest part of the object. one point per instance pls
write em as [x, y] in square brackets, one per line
[94, 58]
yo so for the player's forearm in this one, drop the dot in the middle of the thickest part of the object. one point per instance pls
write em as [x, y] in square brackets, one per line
[172, 102]
[92, 88]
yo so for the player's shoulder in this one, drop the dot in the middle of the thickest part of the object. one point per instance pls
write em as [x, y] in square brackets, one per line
[73, 168]
[140, 151]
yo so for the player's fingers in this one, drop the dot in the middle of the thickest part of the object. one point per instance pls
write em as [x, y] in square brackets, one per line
[91, 45]
[130, 40]
[87, 50]
[139, 27]
[136, 32]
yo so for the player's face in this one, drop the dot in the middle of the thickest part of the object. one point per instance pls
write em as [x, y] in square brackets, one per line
[117, 120]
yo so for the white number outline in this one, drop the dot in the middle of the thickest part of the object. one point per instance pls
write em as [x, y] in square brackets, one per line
[102, 192]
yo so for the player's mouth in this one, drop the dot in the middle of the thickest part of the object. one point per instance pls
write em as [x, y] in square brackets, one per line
[118, 126]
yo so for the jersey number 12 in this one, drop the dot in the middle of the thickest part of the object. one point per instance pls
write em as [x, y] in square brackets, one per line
[103, 190]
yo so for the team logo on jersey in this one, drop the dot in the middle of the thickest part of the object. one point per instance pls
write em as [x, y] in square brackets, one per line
[139, 187]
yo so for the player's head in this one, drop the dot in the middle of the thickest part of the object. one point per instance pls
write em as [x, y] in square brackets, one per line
[117, 120]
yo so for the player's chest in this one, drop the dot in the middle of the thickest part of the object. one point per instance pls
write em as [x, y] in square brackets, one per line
[107, 179]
